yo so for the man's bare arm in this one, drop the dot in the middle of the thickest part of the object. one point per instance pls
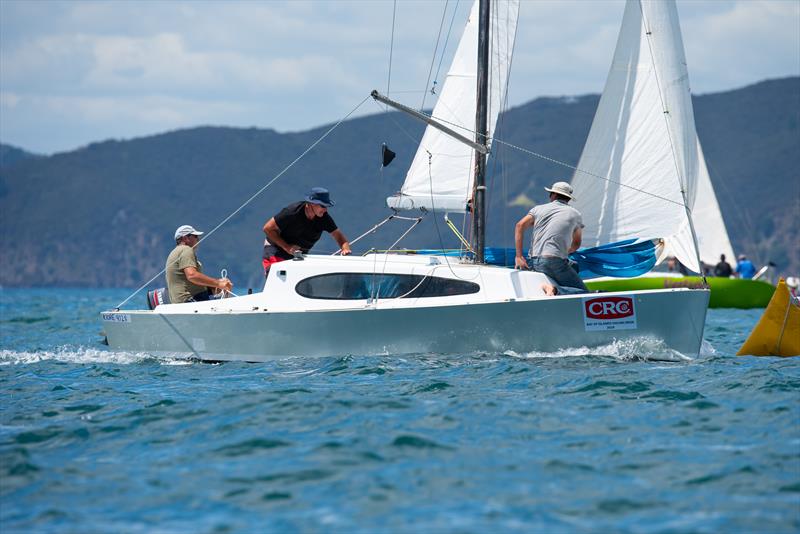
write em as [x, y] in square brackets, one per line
[274, 237]
[577, 237]
[198, 278]
[341, 240]
[519, 232]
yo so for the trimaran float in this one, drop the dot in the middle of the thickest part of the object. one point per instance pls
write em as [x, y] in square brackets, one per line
[389, 303]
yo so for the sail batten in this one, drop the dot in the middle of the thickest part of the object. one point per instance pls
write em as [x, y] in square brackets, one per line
[440, 176]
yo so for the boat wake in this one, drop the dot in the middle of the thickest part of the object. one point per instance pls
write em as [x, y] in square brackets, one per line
[632, 349]
[84, 355]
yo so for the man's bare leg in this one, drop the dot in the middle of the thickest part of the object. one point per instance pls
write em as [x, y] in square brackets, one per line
[549, 290]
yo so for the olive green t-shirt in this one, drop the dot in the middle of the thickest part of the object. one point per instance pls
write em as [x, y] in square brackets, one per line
[181, 289]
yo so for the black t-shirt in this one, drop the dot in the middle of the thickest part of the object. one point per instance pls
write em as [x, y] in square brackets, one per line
[297, 229]
[723, 269]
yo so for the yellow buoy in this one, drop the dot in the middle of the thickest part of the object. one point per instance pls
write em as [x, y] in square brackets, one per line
[777, 333]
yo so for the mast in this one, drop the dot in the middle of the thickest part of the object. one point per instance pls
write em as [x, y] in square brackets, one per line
[481, 132]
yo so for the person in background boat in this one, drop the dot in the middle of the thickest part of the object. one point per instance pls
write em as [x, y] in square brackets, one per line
[723, 268]
[557, 232]
[184, 272]
[298, 226]
[745, 268]
[674, 265]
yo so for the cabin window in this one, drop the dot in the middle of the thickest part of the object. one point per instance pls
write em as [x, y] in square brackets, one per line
[361, 286]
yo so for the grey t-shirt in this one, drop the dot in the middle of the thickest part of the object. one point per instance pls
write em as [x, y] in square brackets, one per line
[553, 225]
[180, 288]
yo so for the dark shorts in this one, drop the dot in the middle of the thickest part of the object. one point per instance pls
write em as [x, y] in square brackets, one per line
[561, 272]
[200, 297]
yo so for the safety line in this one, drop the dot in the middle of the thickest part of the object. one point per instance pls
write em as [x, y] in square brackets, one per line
[249, 200]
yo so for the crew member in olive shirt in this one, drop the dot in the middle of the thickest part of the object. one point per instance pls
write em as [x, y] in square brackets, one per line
[184, 272]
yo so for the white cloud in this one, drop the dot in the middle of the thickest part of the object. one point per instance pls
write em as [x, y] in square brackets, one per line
[9, 100]
[150, 66]
[157, 110]
[743, 42]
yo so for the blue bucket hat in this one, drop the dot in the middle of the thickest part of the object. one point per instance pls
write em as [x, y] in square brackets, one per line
[320, 195]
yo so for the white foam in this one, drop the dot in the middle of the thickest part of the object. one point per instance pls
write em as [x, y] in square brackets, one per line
[83, 355]
[641, 348]
[707, 349]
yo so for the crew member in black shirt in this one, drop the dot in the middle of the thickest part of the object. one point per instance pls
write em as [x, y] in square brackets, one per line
[723, 268]
[298, 226]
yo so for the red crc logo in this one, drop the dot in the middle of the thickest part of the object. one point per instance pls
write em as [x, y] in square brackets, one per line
[609, 307]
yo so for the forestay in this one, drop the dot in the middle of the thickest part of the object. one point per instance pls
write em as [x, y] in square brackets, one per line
[643, 141]
[444, 180]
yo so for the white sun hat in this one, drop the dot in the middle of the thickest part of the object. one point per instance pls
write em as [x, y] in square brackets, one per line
[561, 188]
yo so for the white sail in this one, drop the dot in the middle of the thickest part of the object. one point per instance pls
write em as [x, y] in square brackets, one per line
[642, 148]
[712, 236]
[441, 175]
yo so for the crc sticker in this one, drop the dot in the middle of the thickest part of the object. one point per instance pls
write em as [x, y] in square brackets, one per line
[609, 313]
[117, 317]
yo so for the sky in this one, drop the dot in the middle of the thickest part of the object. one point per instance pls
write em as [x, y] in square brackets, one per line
[73, 73]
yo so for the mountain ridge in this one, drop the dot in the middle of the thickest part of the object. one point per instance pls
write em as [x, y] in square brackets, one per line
[103, 215]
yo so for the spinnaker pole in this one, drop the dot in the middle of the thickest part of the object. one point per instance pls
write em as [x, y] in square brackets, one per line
[481, 132]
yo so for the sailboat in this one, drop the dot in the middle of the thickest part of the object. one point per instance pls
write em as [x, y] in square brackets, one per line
[392, 303]
[642, 142]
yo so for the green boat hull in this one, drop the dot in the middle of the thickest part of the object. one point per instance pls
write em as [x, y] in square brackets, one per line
[725, 292]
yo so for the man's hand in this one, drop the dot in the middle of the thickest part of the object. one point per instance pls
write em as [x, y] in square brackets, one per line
[520, 262]
[346, 249]
[224, 284]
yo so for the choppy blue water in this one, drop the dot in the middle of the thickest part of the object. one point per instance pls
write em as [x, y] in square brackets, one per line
[580, 440]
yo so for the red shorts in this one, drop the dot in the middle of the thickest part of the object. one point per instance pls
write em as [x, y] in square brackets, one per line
[267, 262]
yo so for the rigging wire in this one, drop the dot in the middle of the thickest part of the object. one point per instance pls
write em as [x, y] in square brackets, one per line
[446, 40]
[391, 52]
[253, 197]
[553, 160]
[436, 224]
[576, 169]
[501, 117]
[400, 127]
[433, 58]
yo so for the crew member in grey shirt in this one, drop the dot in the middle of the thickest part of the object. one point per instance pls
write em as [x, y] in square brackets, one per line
[557, 232]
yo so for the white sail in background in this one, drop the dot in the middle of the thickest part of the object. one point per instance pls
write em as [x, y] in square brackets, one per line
[446, 183]
[642, 147]
[712, 236]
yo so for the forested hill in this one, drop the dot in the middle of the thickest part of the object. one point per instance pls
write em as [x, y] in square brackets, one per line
[10, 155]
[104, 215]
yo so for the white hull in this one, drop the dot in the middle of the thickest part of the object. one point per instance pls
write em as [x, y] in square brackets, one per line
[512, 316]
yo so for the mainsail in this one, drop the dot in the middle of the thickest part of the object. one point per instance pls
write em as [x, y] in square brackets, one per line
[440, 177]
[640, 163]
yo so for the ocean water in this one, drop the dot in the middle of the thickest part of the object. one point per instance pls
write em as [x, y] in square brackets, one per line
[576, 441]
